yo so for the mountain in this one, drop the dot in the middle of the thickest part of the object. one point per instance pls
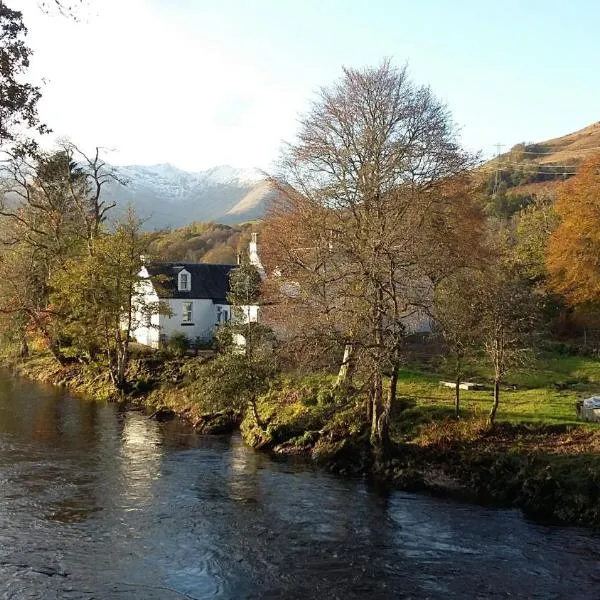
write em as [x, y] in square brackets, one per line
[170, 197]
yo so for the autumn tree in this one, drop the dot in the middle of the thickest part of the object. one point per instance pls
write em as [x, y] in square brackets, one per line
[507, 313]
[51, 209]
[100, 297]
[374, 181]
[574, 246]
[38, 233]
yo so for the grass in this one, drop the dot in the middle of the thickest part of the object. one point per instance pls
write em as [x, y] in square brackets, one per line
[544, 392]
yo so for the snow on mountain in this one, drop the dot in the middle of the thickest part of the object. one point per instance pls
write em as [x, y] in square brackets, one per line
[167, 196]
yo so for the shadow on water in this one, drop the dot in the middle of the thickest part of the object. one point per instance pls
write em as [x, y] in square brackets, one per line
[98, 504]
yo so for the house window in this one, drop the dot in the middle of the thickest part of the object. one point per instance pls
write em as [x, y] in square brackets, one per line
[184, 281]
[186, 314]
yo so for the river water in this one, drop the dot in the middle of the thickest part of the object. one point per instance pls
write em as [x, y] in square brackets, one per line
[96, 504]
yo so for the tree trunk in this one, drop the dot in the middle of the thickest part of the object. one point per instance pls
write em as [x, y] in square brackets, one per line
[458, 372]
[377, 411]
[23, 347]
[55, 350]
[347, 366]
[255, 414]
[457, 397]
[383, 424]
[122, 359]
[492, 415]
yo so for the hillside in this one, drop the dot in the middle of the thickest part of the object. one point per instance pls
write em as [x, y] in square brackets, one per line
[533, 170]
[201, 242]
[170, 197]
[567, 151]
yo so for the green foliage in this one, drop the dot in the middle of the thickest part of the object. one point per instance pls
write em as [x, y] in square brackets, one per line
[235, 380]
[504, 205]
[99, 298]
[178, 344]
[244, 289]
[18, 104]
[200, 242]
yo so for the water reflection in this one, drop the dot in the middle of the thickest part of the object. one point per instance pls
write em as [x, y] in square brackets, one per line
[243, 481]
[98, 504]
[139, 460]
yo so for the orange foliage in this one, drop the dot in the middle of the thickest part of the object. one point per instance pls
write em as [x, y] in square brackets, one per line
[573, 257]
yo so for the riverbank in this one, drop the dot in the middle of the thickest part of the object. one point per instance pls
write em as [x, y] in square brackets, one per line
[549, 467]
[162, 387]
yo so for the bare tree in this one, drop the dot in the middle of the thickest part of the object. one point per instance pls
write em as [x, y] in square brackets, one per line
[86, 190]
[508, 312]
[368, 218]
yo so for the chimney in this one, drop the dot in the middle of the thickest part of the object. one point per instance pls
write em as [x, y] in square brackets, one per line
[253, 254]
[253, 246]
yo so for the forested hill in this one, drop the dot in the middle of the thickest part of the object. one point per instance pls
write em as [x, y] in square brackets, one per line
[201, 242]
[532, 170]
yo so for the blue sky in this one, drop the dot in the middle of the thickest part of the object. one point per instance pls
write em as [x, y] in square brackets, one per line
[199, 83]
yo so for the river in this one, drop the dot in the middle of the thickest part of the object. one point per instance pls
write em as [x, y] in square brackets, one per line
[97, 504]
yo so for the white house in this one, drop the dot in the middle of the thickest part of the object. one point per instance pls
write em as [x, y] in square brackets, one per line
[196, 295]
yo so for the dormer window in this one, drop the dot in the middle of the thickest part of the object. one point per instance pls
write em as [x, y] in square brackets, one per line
[184, 281]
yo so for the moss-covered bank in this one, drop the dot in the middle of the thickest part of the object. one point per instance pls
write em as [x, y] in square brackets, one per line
[548, 471]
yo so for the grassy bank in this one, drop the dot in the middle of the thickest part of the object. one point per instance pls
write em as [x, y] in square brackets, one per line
[162, 384]
[538, 458]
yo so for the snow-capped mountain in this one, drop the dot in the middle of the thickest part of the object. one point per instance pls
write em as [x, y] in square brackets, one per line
[167, 196]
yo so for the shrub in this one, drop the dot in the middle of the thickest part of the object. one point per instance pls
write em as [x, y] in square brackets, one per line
[178, 344]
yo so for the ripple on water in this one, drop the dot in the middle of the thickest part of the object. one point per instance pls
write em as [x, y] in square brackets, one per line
[96, 504]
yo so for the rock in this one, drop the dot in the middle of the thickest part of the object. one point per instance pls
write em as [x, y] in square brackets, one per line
[217, 423]
[163, 414]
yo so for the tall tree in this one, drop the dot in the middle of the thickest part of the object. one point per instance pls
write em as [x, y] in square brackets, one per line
[100, 297]
[246, 361]
[458, 320]
[507, 313]
[51, 210]
[376, 183]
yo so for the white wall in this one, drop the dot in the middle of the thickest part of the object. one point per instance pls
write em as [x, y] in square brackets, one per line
[142, 333]
[204, 319]
[202, 325]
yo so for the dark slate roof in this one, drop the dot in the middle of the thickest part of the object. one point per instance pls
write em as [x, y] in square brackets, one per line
[208, 281]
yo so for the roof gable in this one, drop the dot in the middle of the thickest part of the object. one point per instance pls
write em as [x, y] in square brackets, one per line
[207, 281]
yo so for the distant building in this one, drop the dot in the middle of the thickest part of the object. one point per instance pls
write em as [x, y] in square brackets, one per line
[196, 294]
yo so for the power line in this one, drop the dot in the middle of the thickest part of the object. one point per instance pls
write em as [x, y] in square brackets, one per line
[544, 152]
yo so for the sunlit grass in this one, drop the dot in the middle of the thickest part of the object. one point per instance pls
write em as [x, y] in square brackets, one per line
[543, 392]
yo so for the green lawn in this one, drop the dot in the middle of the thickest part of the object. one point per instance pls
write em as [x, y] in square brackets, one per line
[543, 392]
